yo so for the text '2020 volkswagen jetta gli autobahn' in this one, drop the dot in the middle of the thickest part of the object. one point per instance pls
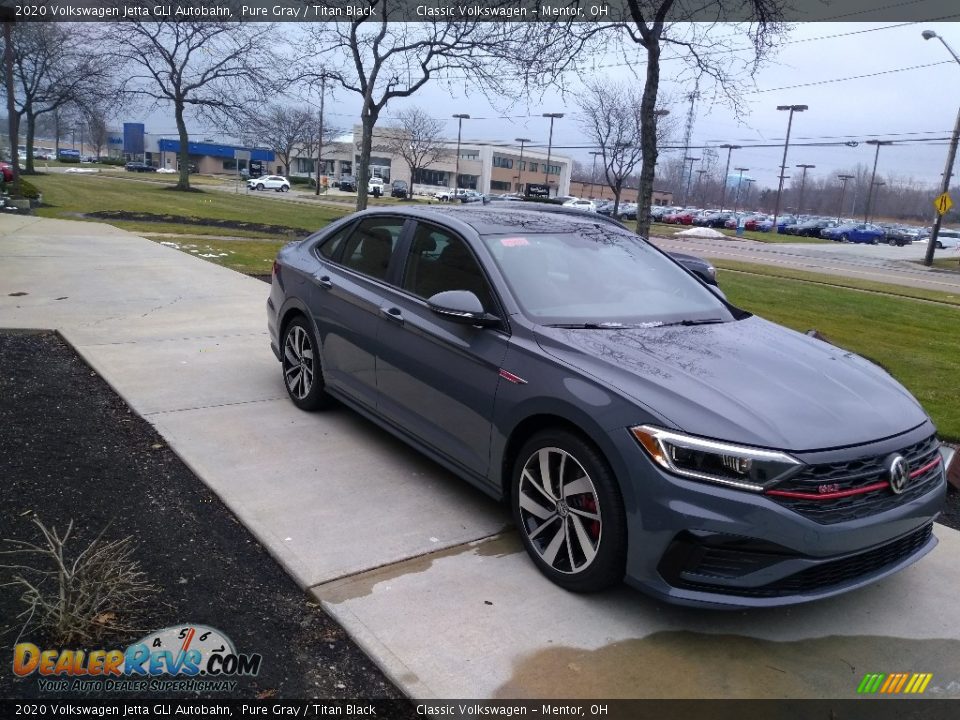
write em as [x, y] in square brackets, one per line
[640, 426]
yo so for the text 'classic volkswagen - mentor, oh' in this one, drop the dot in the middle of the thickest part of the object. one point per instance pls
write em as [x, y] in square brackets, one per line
[640, 426]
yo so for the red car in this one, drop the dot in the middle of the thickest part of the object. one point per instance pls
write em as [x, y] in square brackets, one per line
[7, 172]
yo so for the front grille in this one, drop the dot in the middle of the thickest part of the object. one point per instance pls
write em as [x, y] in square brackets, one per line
[829, 574]
[856, 473]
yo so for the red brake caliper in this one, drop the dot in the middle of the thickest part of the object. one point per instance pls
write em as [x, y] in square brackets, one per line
[593, 527]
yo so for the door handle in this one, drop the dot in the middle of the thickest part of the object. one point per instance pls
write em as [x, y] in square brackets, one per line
[325, 282]
[392, 313]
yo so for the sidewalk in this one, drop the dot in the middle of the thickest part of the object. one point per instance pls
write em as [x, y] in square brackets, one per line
[421, 569]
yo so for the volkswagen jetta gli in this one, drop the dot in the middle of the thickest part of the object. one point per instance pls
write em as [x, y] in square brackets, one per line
[639, 425]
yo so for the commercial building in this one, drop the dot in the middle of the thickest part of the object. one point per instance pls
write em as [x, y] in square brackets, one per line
[486, 166]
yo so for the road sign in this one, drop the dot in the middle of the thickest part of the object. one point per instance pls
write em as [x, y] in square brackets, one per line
[943, 203]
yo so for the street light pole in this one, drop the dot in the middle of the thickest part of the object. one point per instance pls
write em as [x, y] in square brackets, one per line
[736, 202]
[843, 190]
[522, 141]
[456, 181]
[546, 170]
[593, 170]
[323, 94]
[723, 196]
[786, 146]
[948, 170]
[803, 180]
[873, 177]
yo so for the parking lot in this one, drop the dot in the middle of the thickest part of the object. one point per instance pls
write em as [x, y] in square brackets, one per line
[424, 572]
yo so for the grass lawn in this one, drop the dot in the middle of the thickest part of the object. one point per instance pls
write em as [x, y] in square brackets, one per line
[946, 262]
[665, 230]
[838, 281]
[913, 340]
[253, 257]
[68, 196]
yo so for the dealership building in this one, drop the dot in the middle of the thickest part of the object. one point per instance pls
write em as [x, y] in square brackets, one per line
[162, 151]
[486, 166]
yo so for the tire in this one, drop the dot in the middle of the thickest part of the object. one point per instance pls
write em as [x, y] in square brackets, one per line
[300, 365]
[892, 243]
[844, 238]
[259, 186]
[284, 188]
[939, 245]
[578, 541]
[874, 241]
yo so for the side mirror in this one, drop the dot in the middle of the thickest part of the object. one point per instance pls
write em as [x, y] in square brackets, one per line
[461, 306]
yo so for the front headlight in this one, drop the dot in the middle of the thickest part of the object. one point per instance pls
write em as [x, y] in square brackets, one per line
[736, 466]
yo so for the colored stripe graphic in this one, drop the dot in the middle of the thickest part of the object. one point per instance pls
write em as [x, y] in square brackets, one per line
[894, 683]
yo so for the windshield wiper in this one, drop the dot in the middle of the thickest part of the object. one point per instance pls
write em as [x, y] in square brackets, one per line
[589, 326]
[687, 323]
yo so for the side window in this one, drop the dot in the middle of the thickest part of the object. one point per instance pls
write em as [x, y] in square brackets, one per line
[370, 246]
[440, 261]
[329, 247]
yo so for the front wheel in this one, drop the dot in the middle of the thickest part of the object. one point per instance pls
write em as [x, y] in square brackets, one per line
[569, 511]
[300, 360]
[891, 242]
[284, 188]
[259, 186]
[844, 238]
[939, 245]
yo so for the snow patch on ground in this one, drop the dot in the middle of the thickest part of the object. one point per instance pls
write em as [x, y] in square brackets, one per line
[700, 232]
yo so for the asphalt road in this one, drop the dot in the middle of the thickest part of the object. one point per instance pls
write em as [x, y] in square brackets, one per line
[880, 263]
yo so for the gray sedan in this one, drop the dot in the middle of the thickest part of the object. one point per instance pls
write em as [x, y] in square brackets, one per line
[639, 425]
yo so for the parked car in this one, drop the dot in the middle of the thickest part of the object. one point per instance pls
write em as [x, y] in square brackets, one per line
[347, 183]
[854, 233]
[452, 194]
[627, 211]
[139, 167]
[269, 182]
[638, 425]
[810, 228]
[948, 238]
[399, 189]
[7, 171]
[584, 205]
[898, 236]
[375, 186]
[470, 196]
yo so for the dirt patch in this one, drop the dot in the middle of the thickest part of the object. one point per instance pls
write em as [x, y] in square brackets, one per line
[72, 449]
[205, 222]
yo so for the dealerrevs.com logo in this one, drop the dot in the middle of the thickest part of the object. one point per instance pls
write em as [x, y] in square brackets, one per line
[183, 658]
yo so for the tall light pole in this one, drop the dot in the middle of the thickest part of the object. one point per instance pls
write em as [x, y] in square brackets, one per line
[323, 95]
[736, 202]
[803, 181]
[951, 156]
[522, 141]
[723, 196]
[783, 164]
[456, 181]
[843, 190]
[873, 177]
[686, 193]
[546, 170]
[593, 170]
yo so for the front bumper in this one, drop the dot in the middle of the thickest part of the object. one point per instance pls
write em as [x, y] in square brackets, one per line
[695, 543]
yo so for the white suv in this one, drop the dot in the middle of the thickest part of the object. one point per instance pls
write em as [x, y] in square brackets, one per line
[269, 182]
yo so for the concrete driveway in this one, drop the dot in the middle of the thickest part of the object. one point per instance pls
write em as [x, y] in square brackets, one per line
[423, 571]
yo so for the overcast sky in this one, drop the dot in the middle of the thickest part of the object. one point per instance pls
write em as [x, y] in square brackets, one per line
[905, 106]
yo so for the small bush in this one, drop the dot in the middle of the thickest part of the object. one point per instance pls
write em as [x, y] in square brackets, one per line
[111, 161]
[69, 159]
[28, 189]
[78, 595]
[298, 180]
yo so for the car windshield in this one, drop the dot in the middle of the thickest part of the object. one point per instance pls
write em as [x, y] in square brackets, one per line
[600, 278]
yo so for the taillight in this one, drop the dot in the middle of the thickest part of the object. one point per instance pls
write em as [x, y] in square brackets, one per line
[276, 268]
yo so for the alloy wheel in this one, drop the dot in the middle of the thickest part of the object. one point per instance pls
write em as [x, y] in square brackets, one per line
[298, 362]
[560, 510]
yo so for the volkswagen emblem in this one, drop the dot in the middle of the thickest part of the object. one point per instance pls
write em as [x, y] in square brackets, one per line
[899, 473]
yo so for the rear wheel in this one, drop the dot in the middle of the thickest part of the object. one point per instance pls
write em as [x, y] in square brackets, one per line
[844, 238]
[569, 510]
[891, 242]
[300, 360]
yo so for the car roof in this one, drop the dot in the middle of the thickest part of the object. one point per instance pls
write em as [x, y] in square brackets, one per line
[505, 217]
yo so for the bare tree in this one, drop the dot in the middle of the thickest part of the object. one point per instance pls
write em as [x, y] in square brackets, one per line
[705, 36]
[214, 68]
[279, 128]
[97, 128]
[55, 67]
[320, 135]
[382, 59]
[611, 118]
[417, 138]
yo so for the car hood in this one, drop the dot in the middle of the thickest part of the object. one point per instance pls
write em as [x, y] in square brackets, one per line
[749, 381]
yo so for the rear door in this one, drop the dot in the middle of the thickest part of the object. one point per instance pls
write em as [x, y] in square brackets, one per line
[348, 291]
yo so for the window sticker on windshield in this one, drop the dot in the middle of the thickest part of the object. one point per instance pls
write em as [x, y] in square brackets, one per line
[514, 241]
